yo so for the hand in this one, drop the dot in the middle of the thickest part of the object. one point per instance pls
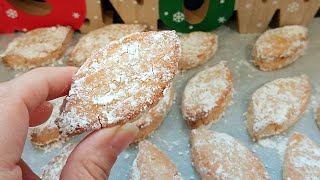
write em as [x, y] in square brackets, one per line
[23, 103]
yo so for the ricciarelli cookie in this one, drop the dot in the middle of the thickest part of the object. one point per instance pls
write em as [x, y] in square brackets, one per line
[277, 106]
[38, 47]
[120, 82]
[197, 48]
[97, 39]
[46, 135]
[152, 120]
[220, 156]
[207, 95]
[302, 158]
[280, 47]
[151, 163]
[53, 169]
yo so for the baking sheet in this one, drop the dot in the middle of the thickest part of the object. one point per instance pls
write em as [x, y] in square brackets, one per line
[173, 136]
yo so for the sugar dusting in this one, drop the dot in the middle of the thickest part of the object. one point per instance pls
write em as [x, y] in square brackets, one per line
[273, 102]
[38, 43]
[280, 42]
[218, 155]
[203, 91]
[121, 81]
[53, 169]
[303, 156]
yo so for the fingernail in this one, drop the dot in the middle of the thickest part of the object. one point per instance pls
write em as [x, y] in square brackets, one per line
[129, 127]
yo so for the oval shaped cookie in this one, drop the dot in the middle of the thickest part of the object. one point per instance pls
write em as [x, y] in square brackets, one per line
[197, 48]
[280, 47]
[220, 156]
[151, 163]
[207, 95]
[154, 117]
[38, 47]
[302, 158]
[277, 106]
[97, 39]
[46, 135]
[120, 82]
[53, 169]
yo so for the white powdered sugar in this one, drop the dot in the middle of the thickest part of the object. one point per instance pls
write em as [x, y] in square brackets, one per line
[281, 42]
[277, 143]
[38, 43]
[303, 156]
[53, 169]
[278, 100]
[121, 81]
[218, 155]
[205, 89]
[100, 38]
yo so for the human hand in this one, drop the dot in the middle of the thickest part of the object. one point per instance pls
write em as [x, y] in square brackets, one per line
[24, 103]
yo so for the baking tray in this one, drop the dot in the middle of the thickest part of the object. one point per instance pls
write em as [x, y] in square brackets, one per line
[173, 136]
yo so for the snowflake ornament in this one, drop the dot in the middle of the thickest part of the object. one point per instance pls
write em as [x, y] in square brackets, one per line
[221, 20]
[11, 13]
[293, 7]
[76, 15]
[178, 17]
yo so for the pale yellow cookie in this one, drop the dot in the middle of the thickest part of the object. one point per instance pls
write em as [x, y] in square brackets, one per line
[277, 106]
[280, 47]
[120, 82]
[46, 135]
[197, 48]
[53, 169]
[97, 39]
[152, 120]
[302, 159]
[207, 95]
[220, 156]
[38, 47]
[151, 163]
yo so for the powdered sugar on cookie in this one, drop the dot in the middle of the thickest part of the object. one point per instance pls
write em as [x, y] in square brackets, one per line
[280, 42]
[38, 43]
[121, 81]
[220, 156]
[279, 100]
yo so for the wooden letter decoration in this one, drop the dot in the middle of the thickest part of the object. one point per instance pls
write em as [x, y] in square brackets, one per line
[138, 11]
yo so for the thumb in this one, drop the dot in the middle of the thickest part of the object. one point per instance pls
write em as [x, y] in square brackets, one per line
[94, 157]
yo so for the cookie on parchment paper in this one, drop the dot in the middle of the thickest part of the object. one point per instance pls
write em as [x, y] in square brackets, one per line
[97, 39]
[277, 48]
[207, 95]
[152, 120]
[46, 136]
[38, 47]
[277, 106]
[151, 163]
[220, 156]
[120, 82]
[197, 48]
[302, 158]
[53, 169]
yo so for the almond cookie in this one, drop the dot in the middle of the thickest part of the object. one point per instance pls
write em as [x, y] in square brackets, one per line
[151, 163]
[197, 48]
[97, 39]
[277, 106]
[53, 169]
[120, 82]
[220, 156]
[38, 47]
[154, 117]
[280, 47]
[207, 95]
[46, 135]
[302, 159]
